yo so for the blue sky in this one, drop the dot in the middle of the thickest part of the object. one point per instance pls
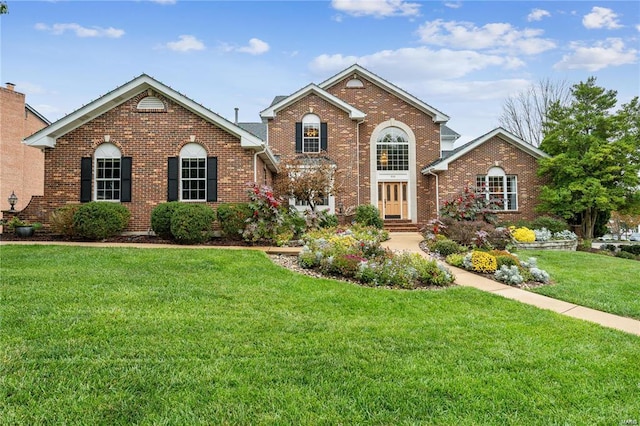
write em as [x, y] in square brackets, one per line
[462, 57]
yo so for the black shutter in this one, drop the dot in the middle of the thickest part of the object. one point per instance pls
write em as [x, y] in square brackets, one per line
[172, 179]
[323, 136]
[85, 179]
[298, 137]
[125, 180]
[212, 179]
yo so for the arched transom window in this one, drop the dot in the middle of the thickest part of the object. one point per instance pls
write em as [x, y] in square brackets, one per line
[392, 149]
[107, 172]
[498, 186]
[311, 133]
[193, 172]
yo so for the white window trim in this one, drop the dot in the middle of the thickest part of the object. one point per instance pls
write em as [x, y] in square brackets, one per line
[499, 172]
[311, 119]
[106, 151]
[192, 151]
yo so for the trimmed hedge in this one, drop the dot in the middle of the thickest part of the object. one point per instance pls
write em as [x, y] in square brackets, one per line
[98, 220]
[192, 223]
[161, 218]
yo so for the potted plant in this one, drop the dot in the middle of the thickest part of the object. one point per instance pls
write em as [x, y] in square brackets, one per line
[22, 228]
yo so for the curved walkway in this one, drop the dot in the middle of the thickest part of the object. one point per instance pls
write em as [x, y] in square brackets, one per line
[410, 241]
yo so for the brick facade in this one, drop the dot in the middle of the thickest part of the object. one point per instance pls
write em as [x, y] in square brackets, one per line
[21, 166]
[355, 118]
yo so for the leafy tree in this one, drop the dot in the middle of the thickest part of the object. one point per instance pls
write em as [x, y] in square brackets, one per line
[524, 113]
[309, 179]
[595, 156]
[4, 8]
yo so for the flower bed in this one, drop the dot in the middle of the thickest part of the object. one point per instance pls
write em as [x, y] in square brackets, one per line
[355, 253]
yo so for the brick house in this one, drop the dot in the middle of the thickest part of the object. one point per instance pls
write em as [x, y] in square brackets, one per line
[144, 143]
[21, 166]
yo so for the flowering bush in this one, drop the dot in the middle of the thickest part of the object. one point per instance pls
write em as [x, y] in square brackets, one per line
[470, 206]
[483, 262]
[267, 216]
[523, 235]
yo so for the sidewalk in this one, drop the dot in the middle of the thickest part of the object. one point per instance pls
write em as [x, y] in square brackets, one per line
[409, 241]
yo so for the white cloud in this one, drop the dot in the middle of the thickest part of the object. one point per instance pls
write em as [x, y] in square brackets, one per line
[80, 31]
[185, 43]
[610, 52]
[601, 17]
[451, 5]
[537, 15]
[164, 1]
[494, 36]
[419, 63]
[255, 47]
[377, 8]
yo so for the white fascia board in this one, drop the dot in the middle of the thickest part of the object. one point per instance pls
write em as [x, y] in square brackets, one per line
[438, 117]
[354, 113]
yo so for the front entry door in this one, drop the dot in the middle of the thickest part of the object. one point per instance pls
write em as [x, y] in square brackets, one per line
[392, 199]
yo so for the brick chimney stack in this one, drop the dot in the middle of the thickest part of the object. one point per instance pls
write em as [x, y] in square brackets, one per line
[11, 86]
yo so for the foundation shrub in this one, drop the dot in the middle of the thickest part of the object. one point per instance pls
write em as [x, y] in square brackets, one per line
[192, 223]
[61, 220]
[368, 215]
[232, 218]
[99, 220]
[161, 218]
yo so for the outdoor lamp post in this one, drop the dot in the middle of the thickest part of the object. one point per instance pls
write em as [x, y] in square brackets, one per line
[12, 201]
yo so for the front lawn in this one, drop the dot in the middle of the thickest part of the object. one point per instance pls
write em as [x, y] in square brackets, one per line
[596, 281]
[180, 336]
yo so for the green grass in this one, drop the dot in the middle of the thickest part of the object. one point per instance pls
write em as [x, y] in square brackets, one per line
[600, 282]
[164, 336]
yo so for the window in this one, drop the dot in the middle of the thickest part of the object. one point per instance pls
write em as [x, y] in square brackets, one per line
[498, 186]
[193, 173]
[311, 133]
[392, 150]
[107, 173]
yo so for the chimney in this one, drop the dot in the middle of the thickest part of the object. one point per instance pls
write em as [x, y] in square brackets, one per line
[236, 120]
[11, 86]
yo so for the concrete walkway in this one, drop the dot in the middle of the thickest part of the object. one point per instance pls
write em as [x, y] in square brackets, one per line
[410, 241]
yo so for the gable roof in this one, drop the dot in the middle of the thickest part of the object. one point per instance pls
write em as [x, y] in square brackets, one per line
[46, 138]
[443, 163]
[438, 116]
[281, 102]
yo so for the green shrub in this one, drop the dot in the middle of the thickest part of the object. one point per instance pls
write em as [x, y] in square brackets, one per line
[161, 218]
[61, 220]
[368, 215]
[625, 255]
[232, 218]
[456, 259]
[98, 220]
[446, 247]
[192, 223]
[633, 249]
[609, 247]
[552, 224]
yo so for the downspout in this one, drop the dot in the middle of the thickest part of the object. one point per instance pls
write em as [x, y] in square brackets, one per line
[358, 160]
[437, 194]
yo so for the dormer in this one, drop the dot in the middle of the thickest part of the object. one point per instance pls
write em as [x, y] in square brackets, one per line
[448, 137]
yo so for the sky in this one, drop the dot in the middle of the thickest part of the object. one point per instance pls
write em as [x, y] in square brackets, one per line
[463, 58]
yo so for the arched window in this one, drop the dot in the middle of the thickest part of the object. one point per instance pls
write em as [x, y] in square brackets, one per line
[107, 172]
[310, 133]
[499, 186]
[193, 172]
[392, 149]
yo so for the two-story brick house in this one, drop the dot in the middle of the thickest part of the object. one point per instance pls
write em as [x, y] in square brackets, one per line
[144, 143]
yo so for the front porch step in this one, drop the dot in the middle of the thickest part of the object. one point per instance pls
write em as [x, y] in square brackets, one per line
[400, 225]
